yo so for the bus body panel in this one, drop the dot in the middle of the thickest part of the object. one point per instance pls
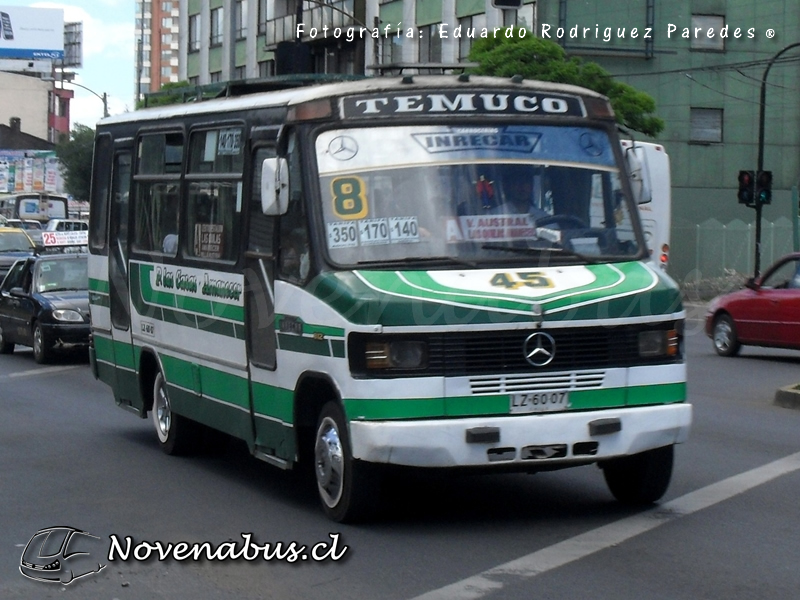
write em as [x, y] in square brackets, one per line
[477, 397]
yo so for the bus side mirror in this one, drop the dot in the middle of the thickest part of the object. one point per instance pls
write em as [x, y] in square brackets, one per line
[639, 176]
[274, 186]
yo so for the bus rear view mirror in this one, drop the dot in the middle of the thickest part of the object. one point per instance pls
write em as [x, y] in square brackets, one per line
[639, 175]
[274, 186]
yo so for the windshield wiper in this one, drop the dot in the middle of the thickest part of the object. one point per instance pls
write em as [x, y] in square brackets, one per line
[550, 250]
[419, 259]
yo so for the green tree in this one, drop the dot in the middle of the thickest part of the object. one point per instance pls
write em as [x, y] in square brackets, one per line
[75, 155]
[537, 58]
[170, 93]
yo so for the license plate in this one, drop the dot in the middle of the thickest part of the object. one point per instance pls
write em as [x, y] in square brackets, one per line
[538, 402]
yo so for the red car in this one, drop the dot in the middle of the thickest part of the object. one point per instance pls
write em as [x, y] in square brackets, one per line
[765, 313]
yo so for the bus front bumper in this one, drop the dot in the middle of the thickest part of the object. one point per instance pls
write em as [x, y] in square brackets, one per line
[521, 440]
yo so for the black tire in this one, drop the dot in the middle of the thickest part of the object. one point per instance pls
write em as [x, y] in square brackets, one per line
[348, 488]
[724, 336]
[6, 347]
[42, 347]
[642, 478]
[176, 434]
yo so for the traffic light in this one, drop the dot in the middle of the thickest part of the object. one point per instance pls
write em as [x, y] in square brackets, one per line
[747, 180]
[764, 187]
[507, 4]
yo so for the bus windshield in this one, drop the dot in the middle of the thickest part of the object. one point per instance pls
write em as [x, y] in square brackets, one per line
[473, 194]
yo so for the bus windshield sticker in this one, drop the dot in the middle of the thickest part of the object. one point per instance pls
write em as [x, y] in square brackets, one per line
[373, 232]
[229, 142]
[463, 139]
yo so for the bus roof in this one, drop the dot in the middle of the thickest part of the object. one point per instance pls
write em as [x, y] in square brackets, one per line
[293, 95]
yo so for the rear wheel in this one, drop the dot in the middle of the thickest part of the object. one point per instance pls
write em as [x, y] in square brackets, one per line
[42, 352]
[176, 434]
[347, 487]
[6, 347]
[726, 341]
[642, 478]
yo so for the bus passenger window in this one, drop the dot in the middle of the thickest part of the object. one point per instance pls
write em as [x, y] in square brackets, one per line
[211, 219]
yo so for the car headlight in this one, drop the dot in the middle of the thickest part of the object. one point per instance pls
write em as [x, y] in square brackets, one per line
[396, 355]
[659, 343]
[68, 315]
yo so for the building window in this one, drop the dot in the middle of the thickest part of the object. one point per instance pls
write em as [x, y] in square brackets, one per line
[707, 28]
[216, 26]
[470, 30]
[166, 23]
[194, 33]
[266, 68]
[430, 44]
[241, 19]
[391, 49]
[166, 7]
[706, 125]
[262, 17]
[215, 77]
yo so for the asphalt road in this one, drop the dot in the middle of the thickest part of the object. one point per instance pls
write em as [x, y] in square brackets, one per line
[726, 529]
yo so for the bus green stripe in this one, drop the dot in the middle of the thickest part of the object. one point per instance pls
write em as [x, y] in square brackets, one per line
[98, 285]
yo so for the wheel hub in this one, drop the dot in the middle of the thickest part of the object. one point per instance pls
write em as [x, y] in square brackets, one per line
[328, 459]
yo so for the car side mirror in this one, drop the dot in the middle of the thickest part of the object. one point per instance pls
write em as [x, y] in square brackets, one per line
[18, 292]
[751, 284]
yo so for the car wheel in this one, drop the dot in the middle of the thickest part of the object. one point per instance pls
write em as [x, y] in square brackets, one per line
[42, 352]
[726, 342]
[347, 487]
[642, 478]
[6, 347]
[176, 434]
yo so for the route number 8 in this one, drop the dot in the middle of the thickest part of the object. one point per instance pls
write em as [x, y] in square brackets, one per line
[349, 201]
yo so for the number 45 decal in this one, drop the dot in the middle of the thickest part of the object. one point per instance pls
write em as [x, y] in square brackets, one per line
[513, 281]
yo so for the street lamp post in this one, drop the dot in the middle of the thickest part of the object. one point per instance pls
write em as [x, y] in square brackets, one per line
[760, 166]
[104, 97]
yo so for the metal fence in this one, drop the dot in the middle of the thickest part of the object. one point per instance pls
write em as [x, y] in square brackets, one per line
[712, 250]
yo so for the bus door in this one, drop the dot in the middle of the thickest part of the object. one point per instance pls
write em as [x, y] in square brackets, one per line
[119, 291]
[272, 436]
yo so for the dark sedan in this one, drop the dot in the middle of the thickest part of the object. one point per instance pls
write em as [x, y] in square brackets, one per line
[765, 313]
[44, 303]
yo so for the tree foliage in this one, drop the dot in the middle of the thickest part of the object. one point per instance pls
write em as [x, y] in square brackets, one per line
[537, 58]
[172, 92]
[75, 155]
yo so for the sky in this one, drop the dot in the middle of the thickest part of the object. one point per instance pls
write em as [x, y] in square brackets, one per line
[109, 54]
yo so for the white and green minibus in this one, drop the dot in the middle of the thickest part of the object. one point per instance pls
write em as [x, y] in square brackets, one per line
[439, 272]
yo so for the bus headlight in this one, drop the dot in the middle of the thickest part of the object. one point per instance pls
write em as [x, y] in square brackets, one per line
[659, 343]
[68, 315]
[396, 355]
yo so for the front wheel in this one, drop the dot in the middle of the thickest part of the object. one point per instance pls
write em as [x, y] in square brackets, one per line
[726, 341]
[642, 478]
[176, 434]
[42, 353]
[347, 487]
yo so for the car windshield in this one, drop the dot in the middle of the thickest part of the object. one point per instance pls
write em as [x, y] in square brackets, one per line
[14, 241]
[61, 275]
[472, 195]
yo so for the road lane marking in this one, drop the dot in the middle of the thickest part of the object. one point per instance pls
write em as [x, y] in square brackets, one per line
[44, 371]
[585, 544]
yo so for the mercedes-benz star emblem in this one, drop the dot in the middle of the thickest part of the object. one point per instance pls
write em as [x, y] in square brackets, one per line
[539, 349]
[343, 147]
